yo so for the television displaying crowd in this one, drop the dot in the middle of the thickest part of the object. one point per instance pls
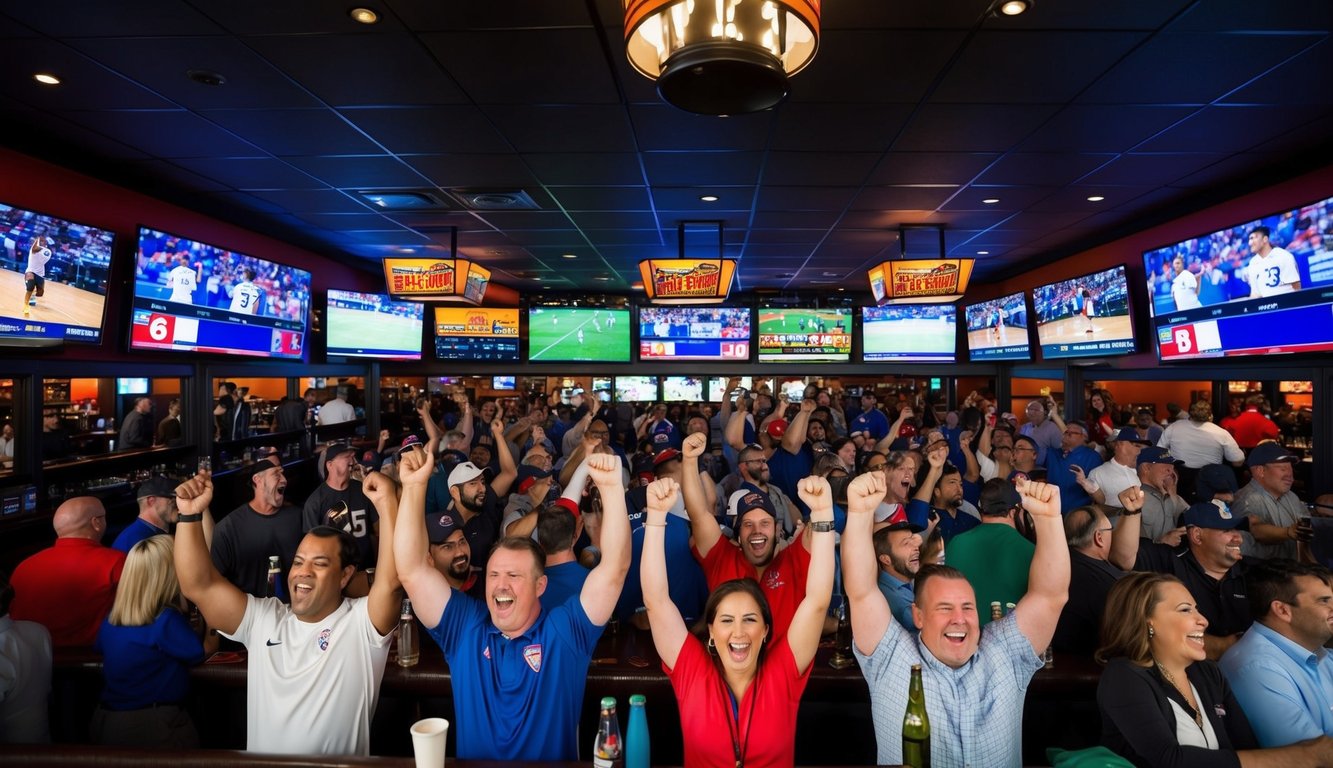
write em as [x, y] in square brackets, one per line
[701, 322]
[1107, 291]
[1009, 311]
[1177, 555]
[213, 277]
[80, 255]
[375, 302]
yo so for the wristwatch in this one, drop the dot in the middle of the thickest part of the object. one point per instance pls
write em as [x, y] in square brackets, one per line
[821, 526]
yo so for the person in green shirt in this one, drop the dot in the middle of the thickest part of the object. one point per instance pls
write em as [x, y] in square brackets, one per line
[994, 556]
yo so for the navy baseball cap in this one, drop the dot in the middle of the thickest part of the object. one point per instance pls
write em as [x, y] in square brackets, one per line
[156, 485]
[746, 500]
[1212, 480]
[999, 498]
[1212, 514]
[1130, 435]
[904, 525]
[1268, 453]
[441, 525]
[1155, 455]
[529, 474]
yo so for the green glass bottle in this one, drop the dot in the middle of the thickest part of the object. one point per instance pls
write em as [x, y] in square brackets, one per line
[916, 725]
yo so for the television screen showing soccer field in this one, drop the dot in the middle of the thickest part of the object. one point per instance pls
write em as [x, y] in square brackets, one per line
[195, 297]
[1261, 287]
[688, 388]
[576, 334]
[694, 333]
[1085, 317]
[921, 333]
[473, 333]
[632, 389]
[805, 335]
[718, 383]
[998, 329]
[373, 325]
[53, 277]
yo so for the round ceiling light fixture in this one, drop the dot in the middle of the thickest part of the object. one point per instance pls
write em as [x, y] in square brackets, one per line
[1014, 7]
[364, 16]
[46, 78]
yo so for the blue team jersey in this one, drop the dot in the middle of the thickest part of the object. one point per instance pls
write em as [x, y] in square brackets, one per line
[517, 698]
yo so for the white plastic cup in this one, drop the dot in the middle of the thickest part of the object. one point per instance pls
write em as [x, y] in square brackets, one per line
[428, 738]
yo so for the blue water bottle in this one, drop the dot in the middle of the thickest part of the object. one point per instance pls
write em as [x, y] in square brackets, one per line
[637, 750]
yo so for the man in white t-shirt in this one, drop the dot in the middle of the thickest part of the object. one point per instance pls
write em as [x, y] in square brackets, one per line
[245, 296]
[34, 274]
[184, 279]
[315, 665]
[1272, 271]
[1185, 286]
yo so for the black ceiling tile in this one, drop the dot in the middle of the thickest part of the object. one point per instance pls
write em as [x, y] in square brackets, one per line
[185, 178]
[1042, 169]
[820, 169]
[688, 198]
[161, 64]
[166, 133]
[250, 172]
[434, 15]
[1287, 16]
[1043, 223]
[931, 167]
[806, 127]
[1011, 198]
[1075, 198]
[971, 127]
[94, 18]
[902, 198]
[804, 219]
[342, 222]
[1233, 169]
[664, 127]
[313, 201]
[1018, 67]
[804, 198]
[399, 237]
[1303, 80]
[294, 131]
[961, 14]
[85, 84]
[249, 201]
[965, 219]
[428, 130]
[473, 170]
[506, 221]
[580, 128]
[565, 238]
[881, 220]
[1308, 141]
[602, 198]
[1103, 128]
[526, 66]
[734, 223]
[39, 131]
[1192, 68]
[291, 18]
[775, 257]
[1120, 15]
[617, 237]
[463, 220]
[586, 168]
[1226, 129]
[614, 219]
[364, 171]
[1149, 169]
[788, 236]
[362, 70]
[681, 169]
[886, 66]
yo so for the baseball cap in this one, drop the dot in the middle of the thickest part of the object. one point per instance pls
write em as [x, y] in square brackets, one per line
[745, 500]
[1130, 435]
[337, 449]
[410, 441]
[569, 505]
[665, 455]
[1212, 514]
[904, 525]
[441, 525]
[1212, 480]
[157, 485]
[464, 473]
[1155, 455]
[1268, 453]
[528, 475]
[262, 465]
[643, 467]
[999, 498]
[777, 428]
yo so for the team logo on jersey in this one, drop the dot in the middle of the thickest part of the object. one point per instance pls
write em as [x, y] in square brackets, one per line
[486, 652]
[773, 579]
[324, 639]
[533, 656]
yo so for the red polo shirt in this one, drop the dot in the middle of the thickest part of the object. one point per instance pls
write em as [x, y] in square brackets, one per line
[1251, 427]
[68, 588]
[783, 581]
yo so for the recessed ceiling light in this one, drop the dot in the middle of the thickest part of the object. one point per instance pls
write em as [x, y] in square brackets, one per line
[983, 253]
[601, 277]
[842, 289]
[1014, 7]
[569, 256]
[991, 200]
[708, 198]
[46, 78]
[364, 15]
[1095, 198]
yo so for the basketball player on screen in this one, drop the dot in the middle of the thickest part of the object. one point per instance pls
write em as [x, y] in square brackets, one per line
[34, 275]
[1089, 308]
[184, 279]
[245, 296]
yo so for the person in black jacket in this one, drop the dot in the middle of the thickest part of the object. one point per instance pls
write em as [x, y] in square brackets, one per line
[1163, 704]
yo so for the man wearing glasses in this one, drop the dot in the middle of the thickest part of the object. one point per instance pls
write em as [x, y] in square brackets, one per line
[1044, 427]
[1070, 465]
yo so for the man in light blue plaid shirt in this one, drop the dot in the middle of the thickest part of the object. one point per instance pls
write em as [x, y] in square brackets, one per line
[974, 681]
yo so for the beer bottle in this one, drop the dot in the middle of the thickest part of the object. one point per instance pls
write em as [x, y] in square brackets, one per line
[606, 750]
[916, 725]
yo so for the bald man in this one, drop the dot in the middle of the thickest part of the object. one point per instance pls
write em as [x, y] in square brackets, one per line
[69, 587]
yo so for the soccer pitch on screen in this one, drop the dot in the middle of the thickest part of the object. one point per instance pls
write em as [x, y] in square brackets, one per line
[558, 334]
[907, 338]
[352, 329]
[798, 320]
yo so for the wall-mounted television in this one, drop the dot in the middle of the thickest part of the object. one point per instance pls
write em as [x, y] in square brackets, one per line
[476, 334]
[578, 334]
[998, 329]
[688, 388]
[920, 333]
[55, 276]
[789, 335]
[694, 333]
[137, 385]
[1087, 316]
[503, 383]
[1261, 287]
[373, 325]
[636, 389]
[195, 297]
[716, 385]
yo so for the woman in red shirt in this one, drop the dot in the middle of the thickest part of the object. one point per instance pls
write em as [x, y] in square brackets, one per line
[737, 696]
[1101, 406]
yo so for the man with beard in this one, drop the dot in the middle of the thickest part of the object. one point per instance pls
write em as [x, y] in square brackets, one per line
[994, 556]
[339, 502]
[939, 494]
[1275, 512]
[753, 472]
[898, 552]
[472, 500]
[452, 556]
[781, 575]
[518, 671]
[315, 666]
[249, 535]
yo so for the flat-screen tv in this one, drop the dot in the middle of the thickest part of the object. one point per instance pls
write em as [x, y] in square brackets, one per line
[577, 334]
[920, 333]
[1087, 316]
[694, 333]
[132, 386]
[636, 388]
[1261, 287]
[503, 383]
[689, 388]
[195, 297]
[55, 277]
[805, 335]
[998, 329]
[716, 385]
[373, 325]
[476, 334]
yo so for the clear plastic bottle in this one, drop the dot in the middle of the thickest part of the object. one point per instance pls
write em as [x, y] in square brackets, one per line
[606, 750]
[408, 651]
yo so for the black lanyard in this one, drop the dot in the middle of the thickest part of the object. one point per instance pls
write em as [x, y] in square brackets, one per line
[740, 748]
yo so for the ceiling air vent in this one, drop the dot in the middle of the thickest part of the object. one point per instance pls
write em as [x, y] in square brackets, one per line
[405, 200]
[495, 199]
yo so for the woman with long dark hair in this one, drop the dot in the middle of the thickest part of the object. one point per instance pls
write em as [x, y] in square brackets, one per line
[738, 691]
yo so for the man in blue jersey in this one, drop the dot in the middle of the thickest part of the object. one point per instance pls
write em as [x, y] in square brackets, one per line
[518, 671]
